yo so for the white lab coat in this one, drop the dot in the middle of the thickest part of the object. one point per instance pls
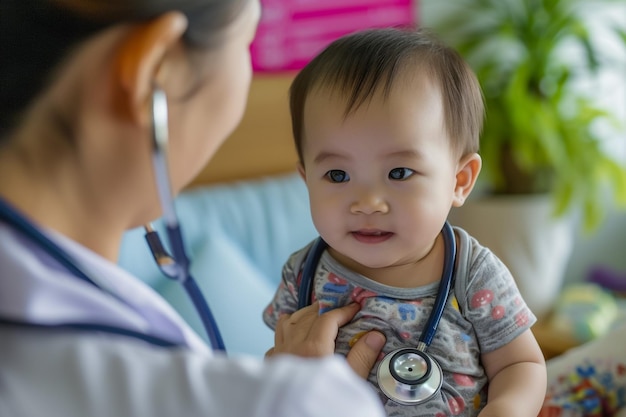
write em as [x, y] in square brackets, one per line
[52, 372]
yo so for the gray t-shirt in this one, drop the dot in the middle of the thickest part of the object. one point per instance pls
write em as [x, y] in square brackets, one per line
[485, 311]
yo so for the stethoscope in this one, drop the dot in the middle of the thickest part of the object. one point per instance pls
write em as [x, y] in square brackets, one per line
[175, 267]
[408, 376]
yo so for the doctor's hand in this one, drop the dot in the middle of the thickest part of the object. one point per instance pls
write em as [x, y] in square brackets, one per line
[309, 334]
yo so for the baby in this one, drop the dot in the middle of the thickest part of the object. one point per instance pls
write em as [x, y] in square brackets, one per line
[386, 124]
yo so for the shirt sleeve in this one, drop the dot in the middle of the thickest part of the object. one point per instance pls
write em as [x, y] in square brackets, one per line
[285, 299]
[71, 375]
[493, 302]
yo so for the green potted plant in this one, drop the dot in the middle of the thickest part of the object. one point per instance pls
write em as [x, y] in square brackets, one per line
[539, 132]
[540, 136]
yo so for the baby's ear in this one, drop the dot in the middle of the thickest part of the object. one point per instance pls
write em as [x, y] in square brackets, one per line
[466, 175]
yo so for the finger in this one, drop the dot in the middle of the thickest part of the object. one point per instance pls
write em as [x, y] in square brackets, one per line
[365, 352]
[339, 316]
[295, 326]
[291, 333]
[327, 325]
[308, 313]
[323, 330]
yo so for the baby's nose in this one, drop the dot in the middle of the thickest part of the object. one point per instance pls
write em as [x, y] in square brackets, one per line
[369, 202]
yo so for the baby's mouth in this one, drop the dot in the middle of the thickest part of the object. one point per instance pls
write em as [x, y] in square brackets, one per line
[371, 236]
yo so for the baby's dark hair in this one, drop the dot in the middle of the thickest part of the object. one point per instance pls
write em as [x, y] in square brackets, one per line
[37, 35]
[359, 65]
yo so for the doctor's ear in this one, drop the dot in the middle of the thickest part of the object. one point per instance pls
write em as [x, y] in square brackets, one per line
[143, 59]
[466, 176]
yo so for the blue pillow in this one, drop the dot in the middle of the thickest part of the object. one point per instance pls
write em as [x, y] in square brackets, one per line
[238, 236]
[237, 292]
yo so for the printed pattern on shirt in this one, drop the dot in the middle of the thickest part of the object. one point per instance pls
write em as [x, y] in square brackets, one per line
[489, 314]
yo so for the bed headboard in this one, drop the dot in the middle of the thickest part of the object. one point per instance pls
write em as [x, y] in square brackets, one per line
[262, 145]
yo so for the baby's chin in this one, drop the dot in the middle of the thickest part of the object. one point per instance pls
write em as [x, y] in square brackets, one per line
[362, 262]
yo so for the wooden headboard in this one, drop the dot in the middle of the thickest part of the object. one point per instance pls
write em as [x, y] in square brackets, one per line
[262, 144]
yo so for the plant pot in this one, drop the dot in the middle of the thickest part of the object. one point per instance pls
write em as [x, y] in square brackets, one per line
[522, 232]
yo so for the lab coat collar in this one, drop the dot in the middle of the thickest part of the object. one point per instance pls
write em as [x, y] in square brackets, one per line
[35, 289]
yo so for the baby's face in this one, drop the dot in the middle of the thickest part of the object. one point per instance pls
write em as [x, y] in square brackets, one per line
[381, 181]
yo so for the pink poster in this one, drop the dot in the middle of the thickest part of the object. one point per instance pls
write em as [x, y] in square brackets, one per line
[291, 32]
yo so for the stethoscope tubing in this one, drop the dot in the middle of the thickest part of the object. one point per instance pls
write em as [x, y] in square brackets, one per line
[178, 268]
[444, 285]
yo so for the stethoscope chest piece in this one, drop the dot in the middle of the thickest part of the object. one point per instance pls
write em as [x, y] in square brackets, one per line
[409, 376]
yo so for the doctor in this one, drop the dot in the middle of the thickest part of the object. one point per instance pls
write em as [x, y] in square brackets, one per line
[78, 335]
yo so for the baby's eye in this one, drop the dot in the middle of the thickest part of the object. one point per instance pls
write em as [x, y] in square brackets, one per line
[337, 175]
[400, 173]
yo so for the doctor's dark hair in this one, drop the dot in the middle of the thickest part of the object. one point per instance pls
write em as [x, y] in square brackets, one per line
[365, 63]
[37, 35]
